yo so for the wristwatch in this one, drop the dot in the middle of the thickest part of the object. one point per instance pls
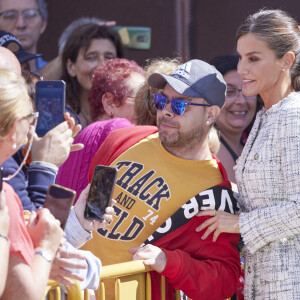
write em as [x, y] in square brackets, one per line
[46, 255]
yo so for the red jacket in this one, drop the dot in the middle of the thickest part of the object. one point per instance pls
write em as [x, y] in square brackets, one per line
[202, 269]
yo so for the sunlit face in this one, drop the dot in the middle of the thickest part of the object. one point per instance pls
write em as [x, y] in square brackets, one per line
[179, 131]
[258, 66]
[126, 109]
[24, 123]
[99, 51]
[27, 30]
[236, 114]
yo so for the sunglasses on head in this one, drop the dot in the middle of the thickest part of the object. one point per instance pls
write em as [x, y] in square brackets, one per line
[177, 105]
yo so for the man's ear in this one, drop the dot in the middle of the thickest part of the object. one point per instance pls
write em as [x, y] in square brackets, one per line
[44, 26]
[71, 68]
[13, 133]
[212, 114]
[108, 101]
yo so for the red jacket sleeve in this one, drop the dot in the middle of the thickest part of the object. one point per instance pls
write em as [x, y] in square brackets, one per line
[203, 269]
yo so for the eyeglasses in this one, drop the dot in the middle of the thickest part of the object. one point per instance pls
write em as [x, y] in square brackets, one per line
[32, 118]
[177, 105]
[10, 16]
[232, 94]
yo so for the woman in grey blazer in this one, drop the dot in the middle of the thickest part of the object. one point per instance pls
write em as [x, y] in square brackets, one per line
[268, 170]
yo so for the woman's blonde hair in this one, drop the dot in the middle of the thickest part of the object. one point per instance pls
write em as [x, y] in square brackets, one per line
[13, 96]
[144, 111]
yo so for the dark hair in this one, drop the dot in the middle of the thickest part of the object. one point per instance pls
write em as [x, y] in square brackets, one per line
[281, 33]
[225, 63]
[81, 39]
[43, 9]
[111, 77]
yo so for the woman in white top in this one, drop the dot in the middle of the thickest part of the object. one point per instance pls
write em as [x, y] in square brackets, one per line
[268, 170]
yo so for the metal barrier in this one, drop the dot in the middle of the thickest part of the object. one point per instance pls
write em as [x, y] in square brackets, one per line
[131, 282]
[74, 292]
[130, 279]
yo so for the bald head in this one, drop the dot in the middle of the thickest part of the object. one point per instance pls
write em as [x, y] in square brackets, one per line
[9, 61]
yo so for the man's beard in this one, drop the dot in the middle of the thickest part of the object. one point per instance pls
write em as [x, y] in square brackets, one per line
[180, 139]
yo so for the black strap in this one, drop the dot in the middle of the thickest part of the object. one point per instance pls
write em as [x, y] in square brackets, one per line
[232, 153]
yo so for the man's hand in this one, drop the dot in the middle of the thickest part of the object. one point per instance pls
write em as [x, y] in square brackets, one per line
[90, 225]
[152, 256]
[63, 261]
[55, 146]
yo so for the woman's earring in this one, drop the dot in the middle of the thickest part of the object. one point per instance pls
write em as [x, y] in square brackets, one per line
[283, 70]
[111, 115]
[207, 122]
[14, 146]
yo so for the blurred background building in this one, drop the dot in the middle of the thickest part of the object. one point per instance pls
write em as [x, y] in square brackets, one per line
[188, 28]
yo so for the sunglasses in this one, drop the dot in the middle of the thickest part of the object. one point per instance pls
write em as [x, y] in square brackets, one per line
[177, 105]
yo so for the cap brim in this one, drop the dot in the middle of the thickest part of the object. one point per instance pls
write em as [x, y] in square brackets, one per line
[24, 57]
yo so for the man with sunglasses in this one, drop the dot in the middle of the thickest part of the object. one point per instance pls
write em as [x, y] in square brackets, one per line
[27, 20]
[164, 180]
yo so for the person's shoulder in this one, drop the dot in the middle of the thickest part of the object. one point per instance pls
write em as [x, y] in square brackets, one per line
[290, 106]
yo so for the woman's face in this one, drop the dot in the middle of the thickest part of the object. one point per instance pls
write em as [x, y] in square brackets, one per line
[258, 66]
[24, 124]
[239, 110]
[99, 51]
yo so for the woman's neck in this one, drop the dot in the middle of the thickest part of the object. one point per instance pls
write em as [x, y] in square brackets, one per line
[275, 95]
[233, 140]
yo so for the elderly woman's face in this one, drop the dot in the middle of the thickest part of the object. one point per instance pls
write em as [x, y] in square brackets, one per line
[99, 51]
[24, 124]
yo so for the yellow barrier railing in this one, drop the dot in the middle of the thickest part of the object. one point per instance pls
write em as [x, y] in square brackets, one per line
[131, 282]
[74, 292]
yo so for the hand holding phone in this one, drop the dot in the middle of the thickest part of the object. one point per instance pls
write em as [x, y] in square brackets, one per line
[50, 103]
[101, 191]
[59, 201]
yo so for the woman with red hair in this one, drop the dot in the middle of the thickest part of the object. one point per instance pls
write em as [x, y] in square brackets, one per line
[111, 100]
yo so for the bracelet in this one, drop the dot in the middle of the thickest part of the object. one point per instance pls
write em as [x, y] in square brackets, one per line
[5, 237]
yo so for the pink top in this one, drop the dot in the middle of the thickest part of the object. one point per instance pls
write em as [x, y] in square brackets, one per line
[74, 172]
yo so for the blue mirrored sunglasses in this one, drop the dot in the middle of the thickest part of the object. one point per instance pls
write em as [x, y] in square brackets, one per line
[177, 105]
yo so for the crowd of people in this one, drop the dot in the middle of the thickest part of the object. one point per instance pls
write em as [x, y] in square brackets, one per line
[207, 158]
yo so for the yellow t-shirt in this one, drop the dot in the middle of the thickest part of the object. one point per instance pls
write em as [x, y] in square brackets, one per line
[151, 185]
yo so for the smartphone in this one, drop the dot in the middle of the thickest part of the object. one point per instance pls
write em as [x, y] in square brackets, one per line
[101, 191]
[135, 37]
[50, 101]
[59, 201]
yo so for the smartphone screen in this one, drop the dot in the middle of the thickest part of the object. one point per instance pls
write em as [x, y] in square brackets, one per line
[50, 103]
[59, 201]
[101, 191]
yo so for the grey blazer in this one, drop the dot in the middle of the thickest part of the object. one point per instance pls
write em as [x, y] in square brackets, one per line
[268, 177]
